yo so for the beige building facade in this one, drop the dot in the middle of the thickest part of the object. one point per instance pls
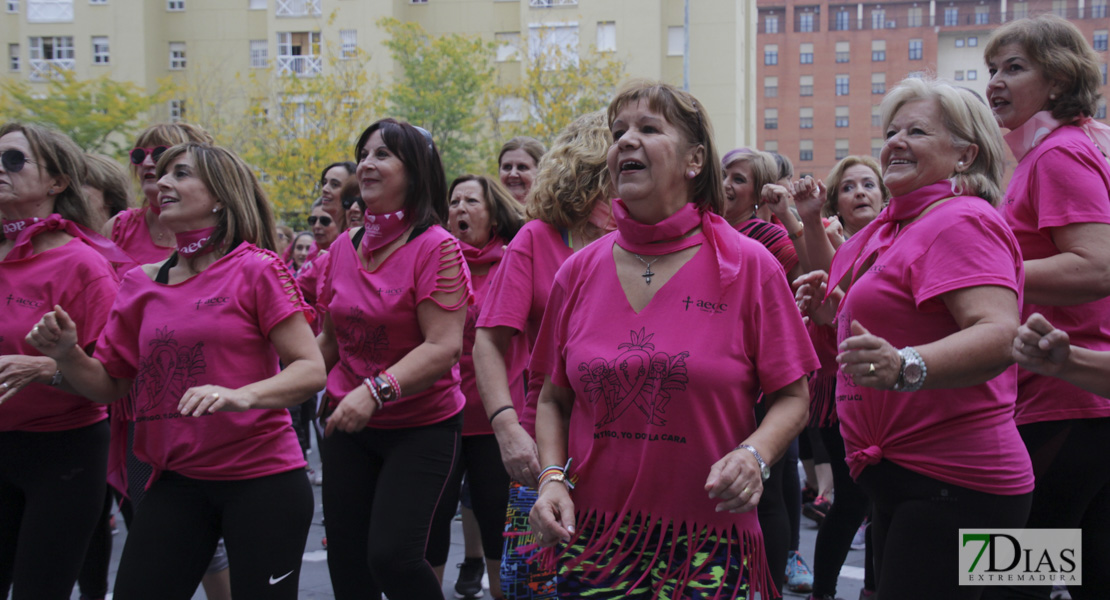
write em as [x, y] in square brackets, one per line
[211, 42]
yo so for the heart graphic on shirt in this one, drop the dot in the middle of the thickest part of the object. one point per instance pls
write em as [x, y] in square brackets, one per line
[167, 371]
[637, 378]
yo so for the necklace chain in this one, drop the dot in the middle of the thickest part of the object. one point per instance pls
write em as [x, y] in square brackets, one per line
[647, 274]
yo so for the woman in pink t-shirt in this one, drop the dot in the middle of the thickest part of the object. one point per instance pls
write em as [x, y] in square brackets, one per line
[517, 165]
[655, 344]
[1044, 89]
[197, 340]
[394, 294]
[54, 443]
[928, 428]
[569, 210]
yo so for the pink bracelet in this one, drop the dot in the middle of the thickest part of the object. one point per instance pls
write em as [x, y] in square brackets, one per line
[393, 384]
[373, 393]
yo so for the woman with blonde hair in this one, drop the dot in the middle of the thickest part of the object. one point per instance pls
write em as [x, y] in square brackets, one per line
[517, 163]
[207, 394]
[569, 210]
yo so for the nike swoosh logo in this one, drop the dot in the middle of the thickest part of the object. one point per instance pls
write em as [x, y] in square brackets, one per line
[275, 580]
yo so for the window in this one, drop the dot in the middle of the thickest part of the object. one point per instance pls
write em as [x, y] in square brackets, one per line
[298, 53]
[805, 118]
[959, 76]
[560, 41]
[177, 110]
[50, 54]
[876, 116]
[13, 58]
[959, 42]
[878, 19]
[606, 36]
[12, 6]
[102, 2]
[177, 56]
[771, 24]
[676, 41]
[951, 16]
[257, 5]
[770, 118]
[878, 50]
[508, 46]
[915, 49]
[878, 83]
[771, 54]
[972, 41]
[841, 85]
[1103, 69]
[260, 54]
[843, 52]
[805, 55]
[771, 146]
[100, 50]
[1100, 112]
[841, 149]
[982, 15]
[805, 85]
[1060, 8]
[842, 116]
[175, 5]
[1099, 40]
[48, 11]
[771, 87]
[913, 17]
[1021, 10]
[972, 74]
[805, 22]
[348, 43]
[843, 21]
[297, 8]
[1098, 9]
[512, 109]
[805, 150]
[876, 148]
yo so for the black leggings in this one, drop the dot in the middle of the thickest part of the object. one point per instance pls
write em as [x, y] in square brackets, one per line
[376, 541]
[264, 522]
[773, 519]
[489, 495]
[834, 539]
[915, 529]
[1070, 462]
[51, 493]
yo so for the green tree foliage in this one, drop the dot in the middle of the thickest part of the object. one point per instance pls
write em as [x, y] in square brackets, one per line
[442, 85]
[101, 115]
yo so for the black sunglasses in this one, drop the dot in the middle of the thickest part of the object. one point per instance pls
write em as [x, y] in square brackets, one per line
[324, 221]
[13, 160]
[138, 155]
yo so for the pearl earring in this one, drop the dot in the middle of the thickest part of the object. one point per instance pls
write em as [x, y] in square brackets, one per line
[216, 209]
[691, 174]
[1052, 96]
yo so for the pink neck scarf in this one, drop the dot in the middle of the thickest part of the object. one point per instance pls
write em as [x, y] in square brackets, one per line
[29, 228]
[195, 242]
[878, 235]
[489, 254]
[1033, 131]
[382, 229]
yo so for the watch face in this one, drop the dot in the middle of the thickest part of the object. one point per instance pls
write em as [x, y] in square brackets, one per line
[765, 473]
[912, 373]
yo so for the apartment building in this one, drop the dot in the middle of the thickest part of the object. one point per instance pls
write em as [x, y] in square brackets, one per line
[708, 43]
[825, 66]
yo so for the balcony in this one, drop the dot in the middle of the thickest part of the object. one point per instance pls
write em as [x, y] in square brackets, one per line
[46, 68]
[50, 11]
[550, 3]
[301, 66]
[298, 8]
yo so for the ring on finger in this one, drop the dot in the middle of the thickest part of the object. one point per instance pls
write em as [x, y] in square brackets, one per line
[871, 368]
[215, 395]
[5, 385]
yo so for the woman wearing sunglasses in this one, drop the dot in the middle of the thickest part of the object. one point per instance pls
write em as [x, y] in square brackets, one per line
[54, 443]
[198, 339]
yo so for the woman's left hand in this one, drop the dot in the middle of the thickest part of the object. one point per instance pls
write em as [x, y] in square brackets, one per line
[736, 481]
[17, 370]
[206, 399]
[777, 197]
[353, 412]
[869, 359]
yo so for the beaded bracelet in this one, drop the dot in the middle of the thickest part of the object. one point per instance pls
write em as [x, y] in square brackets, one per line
[373, 392]
[392, 383]
[559, 476]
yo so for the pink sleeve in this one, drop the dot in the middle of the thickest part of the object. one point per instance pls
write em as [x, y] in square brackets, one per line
[430, 280]
[509, 299]
[310, 278]
[969, 250]
[784, 352]
[89, 308]
[118, 346]
[1070, 187]
[548, 355]
[276, 294]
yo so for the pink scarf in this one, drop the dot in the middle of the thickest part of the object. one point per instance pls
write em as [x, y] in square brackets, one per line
[382, 229]
[195, 242]
[667, 236]
[26, 229]
[489, 254]
[602, 215]
[877, 236]
[1033, 131]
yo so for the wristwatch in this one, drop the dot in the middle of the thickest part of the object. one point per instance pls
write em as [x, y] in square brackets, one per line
[911, 377]
[385, 391]
[764, 470]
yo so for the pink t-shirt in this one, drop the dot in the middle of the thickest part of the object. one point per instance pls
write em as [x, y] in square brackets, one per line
[518, 297]
[85, 286]
[661, 395]
[1062, 181]
[964, 436]
[376, 326]
[130, 233]
[212, 329]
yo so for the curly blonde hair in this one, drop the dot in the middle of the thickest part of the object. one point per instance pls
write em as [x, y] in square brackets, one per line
[573, 175]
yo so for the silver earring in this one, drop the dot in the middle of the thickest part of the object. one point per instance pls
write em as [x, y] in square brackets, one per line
[691, 174]
[216, 210]
[1052, 96]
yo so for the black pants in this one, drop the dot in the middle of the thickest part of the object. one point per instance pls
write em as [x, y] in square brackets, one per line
[382, 488]
[773, 519]
[834, 539]
[915, 529]
[489, 495]
[1071, 460]
[264, 522]
[93, 578]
